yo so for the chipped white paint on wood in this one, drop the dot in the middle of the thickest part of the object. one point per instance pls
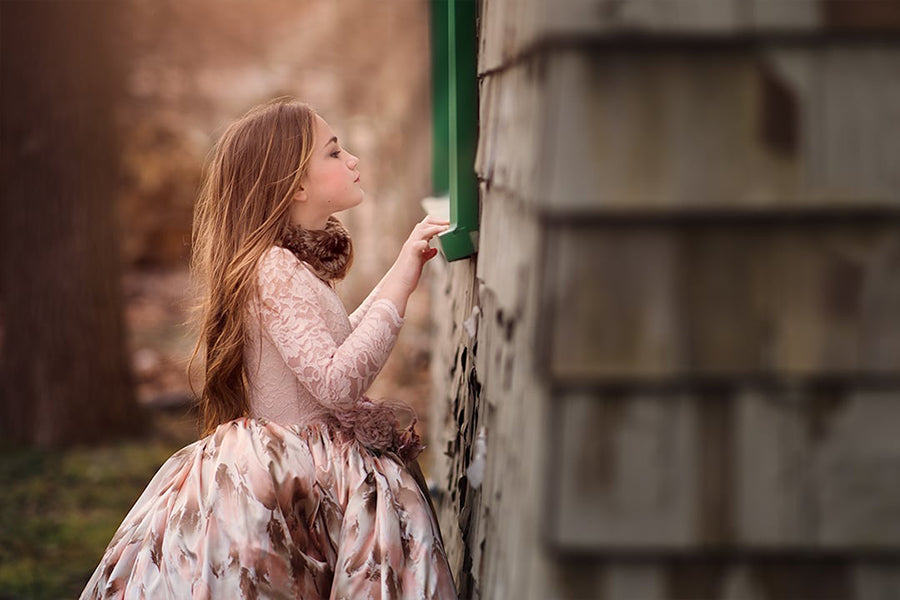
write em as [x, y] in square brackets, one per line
[512, 402]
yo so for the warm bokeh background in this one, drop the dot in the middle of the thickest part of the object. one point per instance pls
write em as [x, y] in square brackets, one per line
[190, 67]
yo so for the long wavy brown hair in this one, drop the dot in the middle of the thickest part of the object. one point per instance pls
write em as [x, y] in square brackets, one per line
[242, 210]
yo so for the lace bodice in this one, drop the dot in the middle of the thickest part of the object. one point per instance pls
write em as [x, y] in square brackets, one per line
[305, 356]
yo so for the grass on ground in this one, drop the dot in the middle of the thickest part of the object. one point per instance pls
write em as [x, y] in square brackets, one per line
[60, 508]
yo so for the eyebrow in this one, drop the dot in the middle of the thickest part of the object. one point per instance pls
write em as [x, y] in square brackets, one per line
[334, 139]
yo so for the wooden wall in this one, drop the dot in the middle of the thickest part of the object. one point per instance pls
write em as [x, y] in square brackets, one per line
[686, 368]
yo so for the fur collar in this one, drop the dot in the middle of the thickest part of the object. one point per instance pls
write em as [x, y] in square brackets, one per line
[329, 251]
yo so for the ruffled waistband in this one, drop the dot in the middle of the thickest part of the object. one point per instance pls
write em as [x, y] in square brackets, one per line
[373, 425]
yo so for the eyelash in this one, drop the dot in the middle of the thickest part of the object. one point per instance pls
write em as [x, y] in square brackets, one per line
[336, 153]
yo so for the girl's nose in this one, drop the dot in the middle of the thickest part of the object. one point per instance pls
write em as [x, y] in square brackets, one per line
[353, 161]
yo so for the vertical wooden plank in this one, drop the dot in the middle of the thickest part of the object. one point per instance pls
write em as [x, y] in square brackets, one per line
[715, 469]
[854, 124]
[619, 311]
[627, 472]
[772, 478]
[875, 581]
[625, 581]
[855, 469]
[777, 15]
[721, 274]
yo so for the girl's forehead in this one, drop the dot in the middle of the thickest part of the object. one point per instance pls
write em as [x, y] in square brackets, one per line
[323, 130]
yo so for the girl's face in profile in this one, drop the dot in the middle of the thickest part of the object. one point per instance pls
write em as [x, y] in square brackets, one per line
[331, 182]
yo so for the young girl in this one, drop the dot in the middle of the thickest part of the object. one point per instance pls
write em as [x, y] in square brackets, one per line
[301, 487]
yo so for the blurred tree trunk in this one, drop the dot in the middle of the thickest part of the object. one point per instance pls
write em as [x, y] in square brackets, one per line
[64, 374]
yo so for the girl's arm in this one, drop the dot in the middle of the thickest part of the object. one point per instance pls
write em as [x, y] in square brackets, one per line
[336, 375]
[403, 277]
[357, 315]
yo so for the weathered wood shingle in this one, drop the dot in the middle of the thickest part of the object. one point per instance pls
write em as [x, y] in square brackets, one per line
[685, 363]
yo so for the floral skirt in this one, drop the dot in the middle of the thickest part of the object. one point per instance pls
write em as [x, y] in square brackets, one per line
[259, 510]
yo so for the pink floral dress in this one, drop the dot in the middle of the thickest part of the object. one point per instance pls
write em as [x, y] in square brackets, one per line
[281, 504]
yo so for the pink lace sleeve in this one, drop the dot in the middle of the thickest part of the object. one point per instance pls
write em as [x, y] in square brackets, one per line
[291, 314]
[357, 315]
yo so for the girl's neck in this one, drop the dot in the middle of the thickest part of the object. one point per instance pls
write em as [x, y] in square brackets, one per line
[301, 216]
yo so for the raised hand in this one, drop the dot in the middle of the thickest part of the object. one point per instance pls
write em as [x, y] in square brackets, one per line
[404, 275]
[416, 251]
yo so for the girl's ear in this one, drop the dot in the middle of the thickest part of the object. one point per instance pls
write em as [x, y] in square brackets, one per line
[300, 195]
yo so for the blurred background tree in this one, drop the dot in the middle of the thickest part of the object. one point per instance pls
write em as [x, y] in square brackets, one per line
[64, 377]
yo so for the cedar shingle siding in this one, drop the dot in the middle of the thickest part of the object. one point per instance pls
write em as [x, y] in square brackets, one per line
[686, 366]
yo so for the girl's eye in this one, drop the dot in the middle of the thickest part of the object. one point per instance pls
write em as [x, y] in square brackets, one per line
[336, 153]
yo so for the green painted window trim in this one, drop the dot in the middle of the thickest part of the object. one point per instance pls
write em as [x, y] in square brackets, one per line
[455, 121]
